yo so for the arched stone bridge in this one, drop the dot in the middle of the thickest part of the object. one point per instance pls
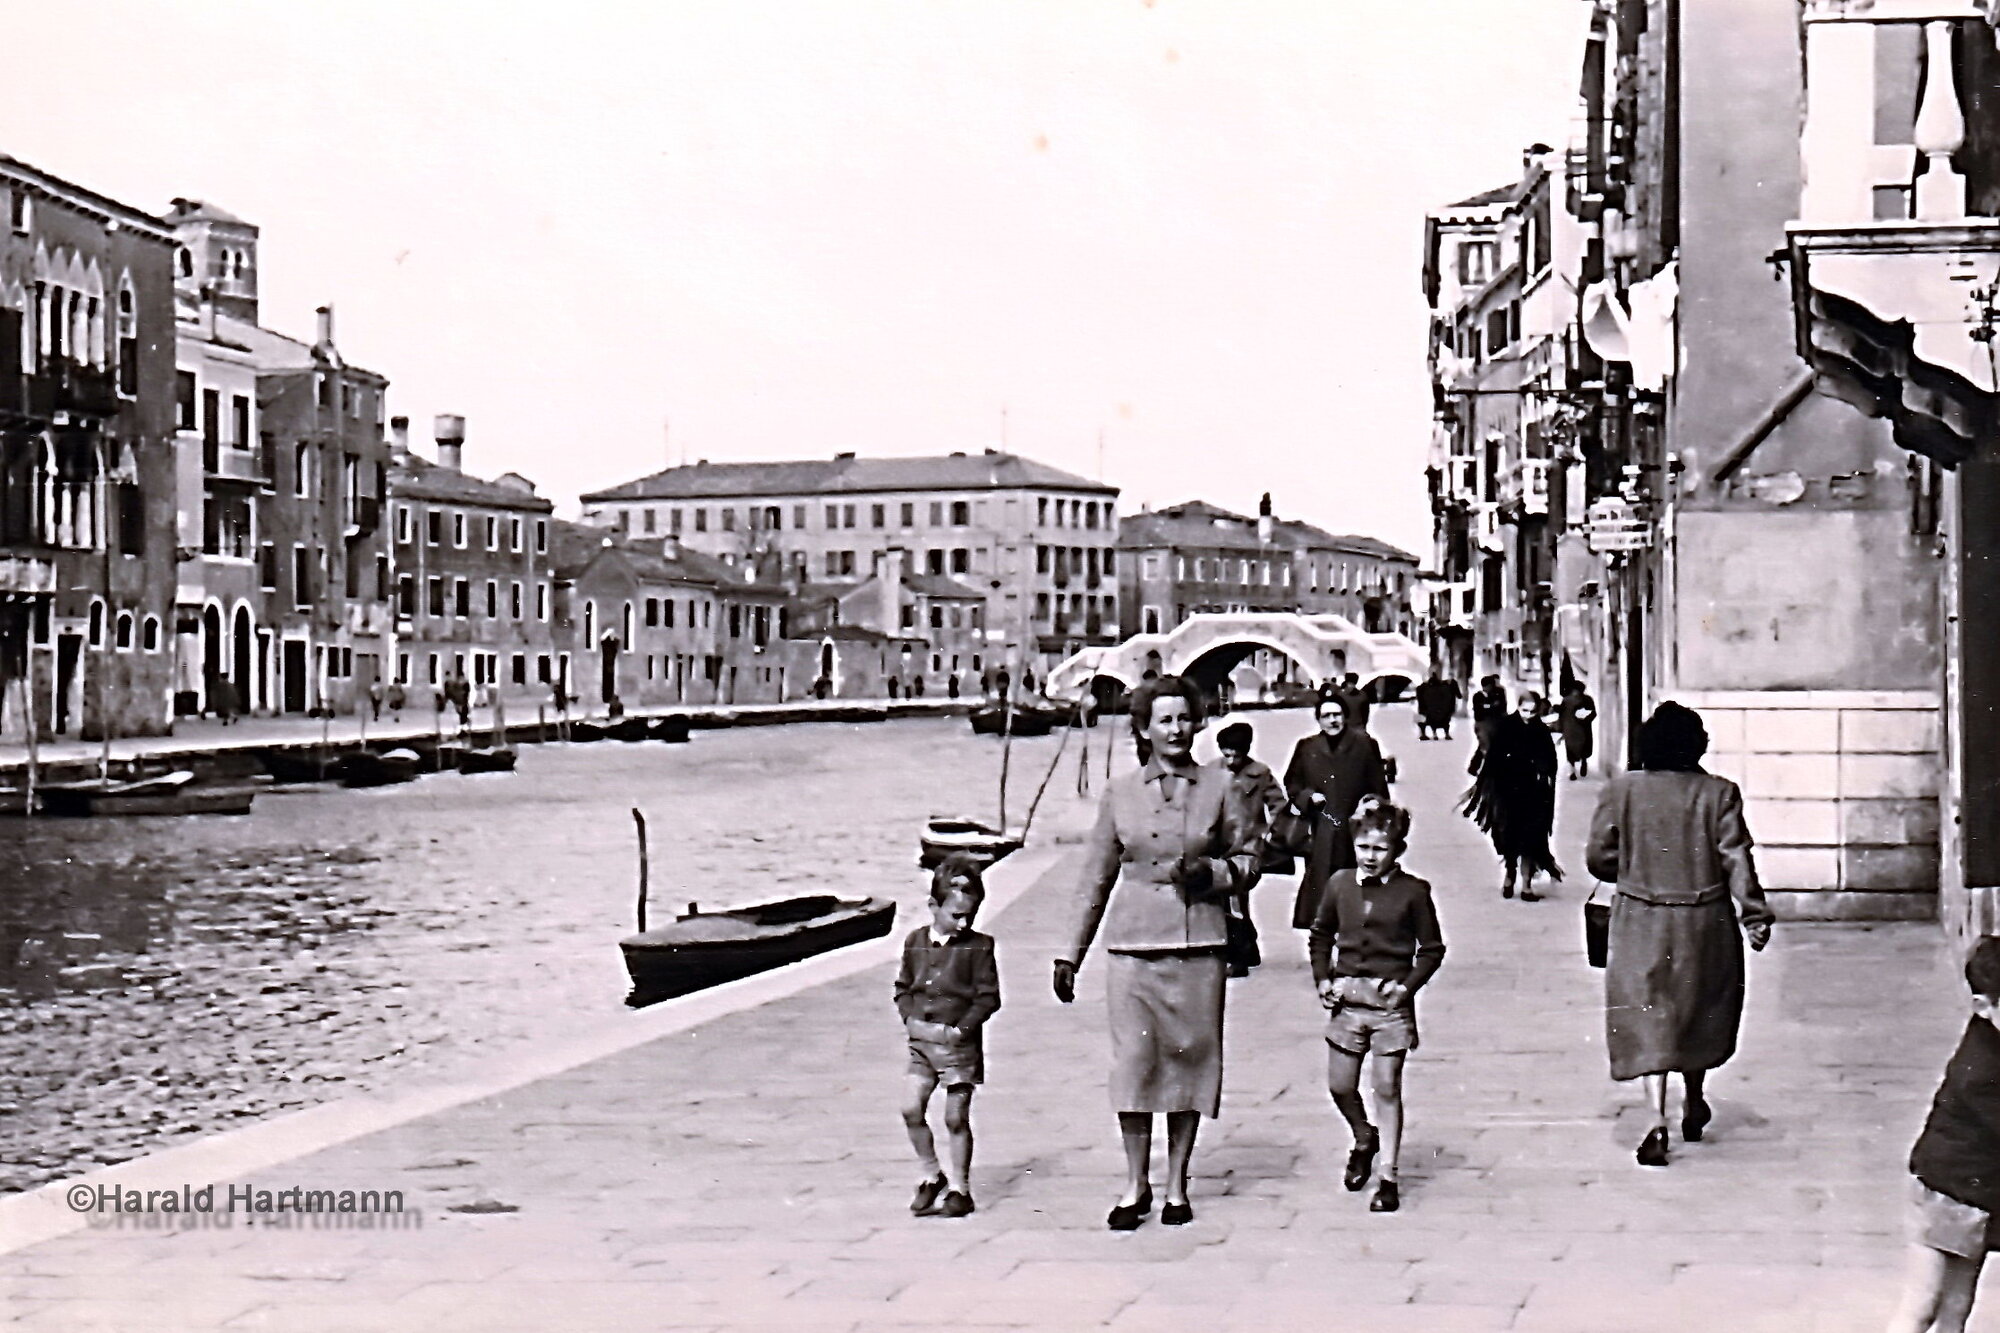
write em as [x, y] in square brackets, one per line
[1210, 646]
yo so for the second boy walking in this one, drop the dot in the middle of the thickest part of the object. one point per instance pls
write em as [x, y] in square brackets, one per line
[946, 989]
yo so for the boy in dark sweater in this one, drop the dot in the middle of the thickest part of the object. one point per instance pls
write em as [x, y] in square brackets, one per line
[1374, 943]
[946, 989]
[1956, 1163]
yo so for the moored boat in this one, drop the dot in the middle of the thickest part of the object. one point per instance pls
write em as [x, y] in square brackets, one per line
[1026, 720]
[170, 794]
[364, 768]
[580, 730]
[494, 759]
[673, 728]
[702, 949]
[312, 763]
[947, 835]
[629, 729]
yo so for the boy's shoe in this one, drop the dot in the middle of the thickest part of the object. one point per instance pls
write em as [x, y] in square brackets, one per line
[1387, 1198]
[926, 1198]
[956, 1204]
[1361, 1161]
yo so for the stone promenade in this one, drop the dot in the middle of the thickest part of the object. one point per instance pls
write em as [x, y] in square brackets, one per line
[751, 1172]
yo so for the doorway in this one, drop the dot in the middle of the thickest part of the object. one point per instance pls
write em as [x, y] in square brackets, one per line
[295, 675]
[240, 666]
[211, 653]
[69, 652]
[607, 682]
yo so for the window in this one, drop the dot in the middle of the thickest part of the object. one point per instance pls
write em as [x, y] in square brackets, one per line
[541, 536]
[1090, 515]
[150, 635]
[1042, 510]
[701, 520]
[185, 417]
[239, 421]
[461, 597]
[652, 613]
[432, 670]
[542, 668]
[961, 514]
[625, 634]
[934, 561]
[519, 673]
[21, 212]
[878, 516]
[514, 600]
[729, 520]
[832, 517]
[909, 515]
[1062, 512]
[674, 521]
[1110, 562]
[937, 513]
[514, 535]
[124, 633]
[402, 525]
[406, 595]
[589, 621]
[1041, 606]
[735, 620]
[458, 531]
[798, 516]
[434, 590]
[667, 612]
[492, 599]
[961, 561]
[433, 526]
[492, 532]
[301, 579]
[847, 563]
[833, 564]
[302, 470]
[937, 616]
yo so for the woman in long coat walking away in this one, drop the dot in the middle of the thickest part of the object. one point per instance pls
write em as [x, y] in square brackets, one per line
[1577, 718]
[1513, 796]
[1167, 853]
[1329, 774]
[1672, 838]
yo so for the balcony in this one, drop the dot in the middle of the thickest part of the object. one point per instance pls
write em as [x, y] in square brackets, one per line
[78, 389]
[24, 575]
[1895, 262]
[230, 464]
[364, 515]
[1524, 490]
[368, 618]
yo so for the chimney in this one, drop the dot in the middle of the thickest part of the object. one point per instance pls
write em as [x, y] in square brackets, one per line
[399, 434]
[1264, 519]
[449, 432]
[889, 588]
[325, 314]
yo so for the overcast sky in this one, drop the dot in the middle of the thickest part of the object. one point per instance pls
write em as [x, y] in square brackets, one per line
[791, 229]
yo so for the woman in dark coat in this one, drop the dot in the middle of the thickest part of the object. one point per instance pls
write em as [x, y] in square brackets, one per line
[1577, 718]
[1672, 838]
[1329, 774]
[1513, 796]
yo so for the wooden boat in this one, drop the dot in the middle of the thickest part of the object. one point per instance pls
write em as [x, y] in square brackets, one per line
[703, 949]
[581, 731]
[364, 768]
[629, 729]
[305, 764]
[496, 759]
[1027, 720]
[171, 794]
[673, 728]
[946, 835]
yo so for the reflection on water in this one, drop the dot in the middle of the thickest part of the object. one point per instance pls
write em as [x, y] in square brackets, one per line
[166, 977]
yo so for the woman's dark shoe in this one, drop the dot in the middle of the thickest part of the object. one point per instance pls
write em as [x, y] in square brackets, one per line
[1530, 896]
[1695, 1120]
[1653, 1151]
[1387, 1198]
[1507, 889]
[927, 1196]
[1176, 1215]
[956, 1204]
[1128, 1216]
[1361, 1162]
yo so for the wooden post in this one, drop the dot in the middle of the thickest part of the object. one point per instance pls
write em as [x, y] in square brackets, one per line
[34, 741]
[639, 820]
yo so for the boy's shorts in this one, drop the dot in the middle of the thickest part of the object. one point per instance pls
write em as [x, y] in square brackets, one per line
[1942, 1223]
[1362, 1022]
[953, 1061]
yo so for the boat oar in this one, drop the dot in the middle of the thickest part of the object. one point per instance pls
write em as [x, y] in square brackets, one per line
[640, 821]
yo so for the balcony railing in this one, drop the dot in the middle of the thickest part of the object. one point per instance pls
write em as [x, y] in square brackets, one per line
[81, 389]
[230, 464]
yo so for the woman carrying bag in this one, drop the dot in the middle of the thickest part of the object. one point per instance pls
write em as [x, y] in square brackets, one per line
[1672, 839]
[1329, 774]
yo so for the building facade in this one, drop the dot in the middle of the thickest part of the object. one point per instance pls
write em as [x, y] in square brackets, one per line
[87, 490]
[473, 594]
[1038, 541]
[1191, 558]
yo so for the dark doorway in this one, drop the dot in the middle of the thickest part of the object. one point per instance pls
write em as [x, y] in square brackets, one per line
[608, 667]
[211, 652]
[69, 652]
[295, 676]
[241, 666]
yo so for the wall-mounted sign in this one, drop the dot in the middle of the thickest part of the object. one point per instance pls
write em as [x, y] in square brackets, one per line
[1612, 525]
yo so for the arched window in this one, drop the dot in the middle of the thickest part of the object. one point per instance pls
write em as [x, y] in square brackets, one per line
[124, 631]
[97, 624]
[128, 338]
[149, 638]
[625, 626]
[184, 263]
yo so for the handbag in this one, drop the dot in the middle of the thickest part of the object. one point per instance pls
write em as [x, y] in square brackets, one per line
[1596, 929]
[1240, 952]
[1291, 832]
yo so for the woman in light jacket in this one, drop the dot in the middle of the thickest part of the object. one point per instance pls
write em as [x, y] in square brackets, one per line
[1672, 838]
[1166, 854]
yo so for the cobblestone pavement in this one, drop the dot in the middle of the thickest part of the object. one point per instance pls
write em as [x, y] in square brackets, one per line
[751, 1172]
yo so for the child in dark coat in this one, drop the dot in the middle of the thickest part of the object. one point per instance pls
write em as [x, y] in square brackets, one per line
[946, 989]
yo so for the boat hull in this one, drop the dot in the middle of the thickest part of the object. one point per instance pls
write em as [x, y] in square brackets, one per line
[992, 721]
[299, 765]
[378, 770]
[486, 761]
[673, 728]
[85, 803]
[661, 969]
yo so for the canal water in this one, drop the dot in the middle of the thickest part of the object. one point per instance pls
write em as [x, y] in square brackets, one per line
[166, 978]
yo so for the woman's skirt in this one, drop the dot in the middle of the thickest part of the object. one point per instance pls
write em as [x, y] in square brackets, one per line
[1166, 1031]
[1673, 986]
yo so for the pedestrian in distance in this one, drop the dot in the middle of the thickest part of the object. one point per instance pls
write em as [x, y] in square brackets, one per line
[1330, 772]
[1513, 796]
[1577, 721]
[1673, 839]
[1955, 1167]
[1164, 857]
[222, 694]
[1437, 701]
[946, 989]
[1489, 705]
[1375, 942]
[398, 696]
[1256, 799]
[375, 700]
[1357, 698]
